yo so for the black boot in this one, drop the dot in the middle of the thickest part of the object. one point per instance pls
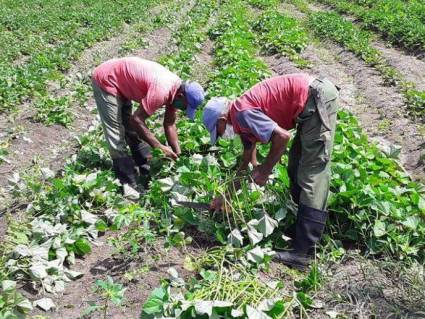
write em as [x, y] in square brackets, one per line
[291, 231]
[125, 171]
[309, 229]
[141, 153]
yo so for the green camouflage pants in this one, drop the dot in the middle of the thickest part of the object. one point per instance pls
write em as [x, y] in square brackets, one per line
[310, 153]
[115, 113]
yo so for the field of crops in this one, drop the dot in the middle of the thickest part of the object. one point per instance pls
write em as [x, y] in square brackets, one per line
[74, 247]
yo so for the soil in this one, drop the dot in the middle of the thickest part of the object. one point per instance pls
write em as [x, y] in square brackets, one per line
[355, 287]
[101, 263]
[412, 68]
[363, 288]
[52, 145]
[204, 62]
[409, 65]
[379, 107]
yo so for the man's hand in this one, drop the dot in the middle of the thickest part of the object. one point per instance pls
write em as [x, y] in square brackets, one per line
[168, 152]
[260, 175]
[217, 204]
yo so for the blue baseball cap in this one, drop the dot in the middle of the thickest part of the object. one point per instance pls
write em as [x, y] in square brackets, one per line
[212, 112]
[195, 95]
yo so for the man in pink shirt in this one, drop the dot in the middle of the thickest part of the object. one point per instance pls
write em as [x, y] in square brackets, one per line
[264, 114]
[118, 82]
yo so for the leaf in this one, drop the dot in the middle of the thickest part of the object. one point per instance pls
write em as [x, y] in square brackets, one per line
[88, 218]
[59, 286]
[412, 222]
[8, 285]
[71, 274]
[38, 271]
[204, 308]
[45, 304]
[235, 238]
[130, 193]
[208, 275]
[197, 158]
[236, 313]
[22, 250]
[82, 247]
[266, 305]
[332, 314]
[281, 214]
[101, 225]
[253, 313]
[421, 203]
[47, 173]
[40, 252]
[255, 255]
[379, 228]
[24, 305]
[173, 272]
[267, 225]
[254, 236]
[155, 302]
[189, 264]
[166, 184]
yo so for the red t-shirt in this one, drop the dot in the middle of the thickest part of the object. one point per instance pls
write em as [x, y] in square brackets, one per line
[140, 80]
[281, 98]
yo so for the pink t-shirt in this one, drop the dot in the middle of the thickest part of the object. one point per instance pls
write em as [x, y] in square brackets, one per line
[140, 80]
[281, 98]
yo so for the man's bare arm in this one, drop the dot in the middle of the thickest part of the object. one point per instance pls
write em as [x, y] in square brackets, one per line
[138, 124]
[170, 130]
[279, 141]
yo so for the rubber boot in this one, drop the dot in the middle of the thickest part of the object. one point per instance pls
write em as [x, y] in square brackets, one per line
[291, 231]
[125, 171]
[140, 151]
[309, 229]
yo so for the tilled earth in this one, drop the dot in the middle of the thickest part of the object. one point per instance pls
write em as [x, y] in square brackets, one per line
[348, 288]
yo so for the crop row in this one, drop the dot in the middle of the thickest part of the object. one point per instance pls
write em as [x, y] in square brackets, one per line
[366, 182]
[373, 201]
[281, 34]
[333, 27]
[189, 39]
[65, 216]
[401, 22]
[226, 283]
[24, 81]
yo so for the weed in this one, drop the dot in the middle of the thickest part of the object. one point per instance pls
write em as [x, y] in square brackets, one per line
[109, 292]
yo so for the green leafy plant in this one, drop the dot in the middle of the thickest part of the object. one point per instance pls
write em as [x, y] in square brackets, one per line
[12, 304]
[263, 4]
[281, 34]
[54, 111]
[399, 21]
[331, 26]
[45, 55]
[109, 292]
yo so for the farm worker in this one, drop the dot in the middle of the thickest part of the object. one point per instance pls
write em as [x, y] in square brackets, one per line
[118, 82]
[264, 114]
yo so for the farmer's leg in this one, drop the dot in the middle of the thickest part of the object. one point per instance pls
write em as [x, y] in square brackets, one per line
[316, 135]
[110, 112]
[140, 150]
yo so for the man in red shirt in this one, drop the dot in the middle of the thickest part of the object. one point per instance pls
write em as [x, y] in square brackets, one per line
[264, 114]
[118, 82]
